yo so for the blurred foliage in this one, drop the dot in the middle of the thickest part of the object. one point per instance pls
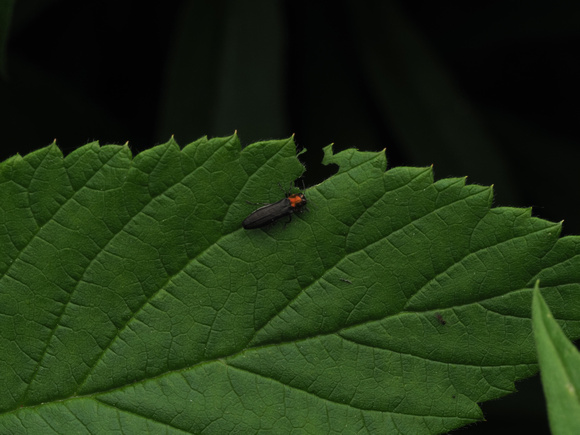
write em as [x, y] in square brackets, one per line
[559, 368]
[486, 90]
[6, 7]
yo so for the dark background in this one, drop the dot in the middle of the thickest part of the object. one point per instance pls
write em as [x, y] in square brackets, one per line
[485, 89]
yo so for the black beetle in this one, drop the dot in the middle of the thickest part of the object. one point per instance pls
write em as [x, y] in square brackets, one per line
[270, 213]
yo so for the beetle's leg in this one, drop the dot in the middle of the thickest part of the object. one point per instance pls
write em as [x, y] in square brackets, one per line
[288, 221]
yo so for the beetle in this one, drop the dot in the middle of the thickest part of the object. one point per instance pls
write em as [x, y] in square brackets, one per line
[270, 213]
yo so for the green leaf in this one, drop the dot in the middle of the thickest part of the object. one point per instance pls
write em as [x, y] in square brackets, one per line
[560, 369]
[132, 300]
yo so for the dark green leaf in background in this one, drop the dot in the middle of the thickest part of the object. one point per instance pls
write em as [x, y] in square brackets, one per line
[131, 299]
[418, 97]
[6, 7]
[229, 55]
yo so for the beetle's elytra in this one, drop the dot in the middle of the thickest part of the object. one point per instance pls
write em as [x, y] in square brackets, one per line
[270, 213]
